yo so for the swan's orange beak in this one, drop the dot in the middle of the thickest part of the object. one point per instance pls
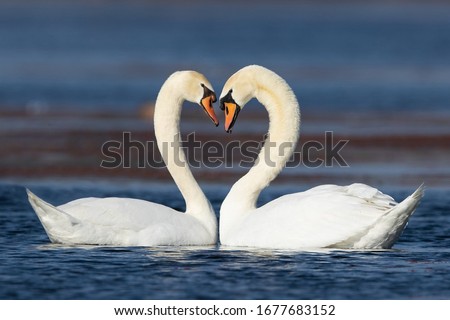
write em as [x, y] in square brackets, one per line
[207, 103]
[231, 113]
[231, 109]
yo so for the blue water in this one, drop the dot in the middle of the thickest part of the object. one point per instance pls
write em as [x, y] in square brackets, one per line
[115, 55]
[31, 268]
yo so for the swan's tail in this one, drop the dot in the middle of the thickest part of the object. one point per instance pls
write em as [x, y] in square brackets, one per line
[388, 228]
[57, 224]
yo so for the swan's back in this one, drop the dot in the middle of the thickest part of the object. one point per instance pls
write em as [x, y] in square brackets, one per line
[118, 221]
[326, 216]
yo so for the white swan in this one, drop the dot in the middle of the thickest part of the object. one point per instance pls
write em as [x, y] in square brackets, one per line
[133, 222]
[356, 216]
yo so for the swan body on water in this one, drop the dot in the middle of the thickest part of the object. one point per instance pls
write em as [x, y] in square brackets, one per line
[133, 222]
[356, 216]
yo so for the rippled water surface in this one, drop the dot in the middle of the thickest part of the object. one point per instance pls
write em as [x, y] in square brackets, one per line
[32, 268]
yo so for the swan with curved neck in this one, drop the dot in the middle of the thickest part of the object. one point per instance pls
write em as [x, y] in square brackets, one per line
[355, 216]
[133, 222]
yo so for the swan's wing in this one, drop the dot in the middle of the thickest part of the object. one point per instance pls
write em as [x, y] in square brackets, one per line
[137, 222]
[118, 221]
[125, 212]
[319, 217]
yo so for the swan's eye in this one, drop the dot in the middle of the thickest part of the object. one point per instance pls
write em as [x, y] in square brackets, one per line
[202, 85]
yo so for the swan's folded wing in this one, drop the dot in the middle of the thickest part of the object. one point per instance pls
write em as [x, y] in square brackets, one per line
[123, 212]
[132, 222]
[319, 217]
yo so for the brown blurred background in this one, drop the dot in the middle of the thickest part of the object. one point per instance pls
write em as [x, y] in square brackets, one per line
[76, 74]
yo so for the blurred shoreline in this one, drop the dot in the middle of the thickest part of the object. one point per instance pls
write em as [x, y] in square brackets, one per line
[76, 74]
[403, 149]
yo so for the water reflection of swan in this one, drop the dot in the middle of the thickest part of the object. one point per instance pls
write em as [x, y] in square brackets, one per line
[355, 216]
[133, 222]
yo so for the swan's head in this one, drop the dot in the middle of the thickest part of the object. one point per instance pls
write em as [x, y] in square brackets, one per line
[237, 91]
[198, 89]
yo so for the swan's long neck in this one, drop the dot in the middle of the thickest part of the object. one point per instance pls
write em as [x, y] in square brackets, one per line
[167, 131]
[284, 116]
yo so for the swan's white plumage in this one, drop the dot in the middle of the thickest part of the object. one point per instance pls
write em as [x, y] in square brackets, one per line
[118, 221]
[134, 222]
[356, 216]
